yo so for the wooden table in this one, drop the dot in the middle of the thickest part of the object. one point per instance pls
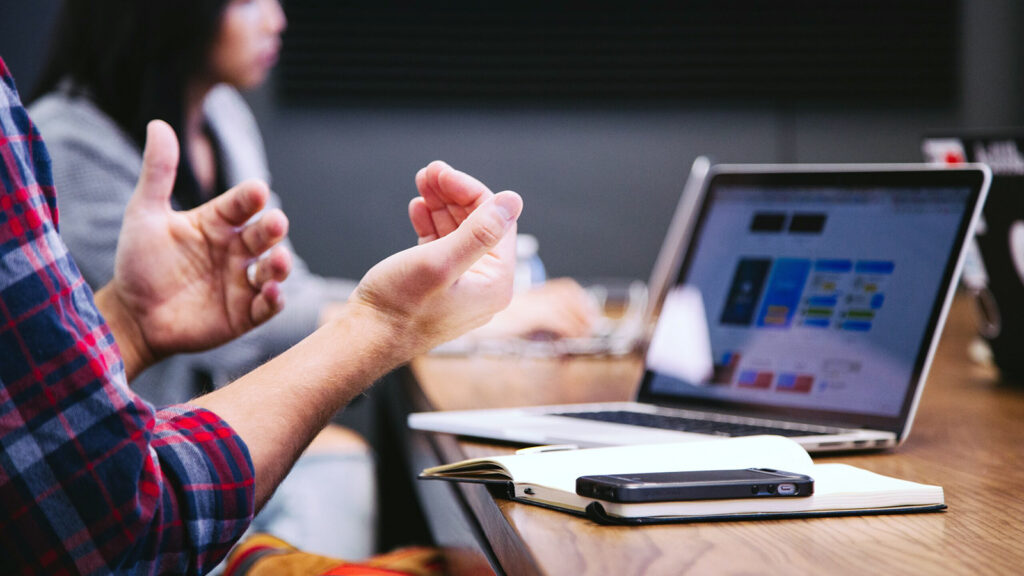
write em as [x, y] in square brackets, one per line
[968, 438]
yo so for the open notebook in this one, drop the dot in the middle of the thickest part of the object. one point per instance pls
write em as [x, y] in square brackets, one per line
[808, 303]
[549, 479]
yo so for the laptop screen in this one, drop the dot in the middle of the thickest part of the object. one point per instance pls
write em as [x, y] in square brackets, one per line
[812, 295]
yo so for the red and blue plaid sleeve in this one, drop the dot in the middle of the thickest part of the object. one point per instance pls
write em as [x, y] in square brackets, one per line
[92, 480]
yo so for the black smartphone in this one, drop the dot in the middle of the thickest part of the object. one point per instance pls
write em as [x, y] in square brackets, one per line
[695, 485]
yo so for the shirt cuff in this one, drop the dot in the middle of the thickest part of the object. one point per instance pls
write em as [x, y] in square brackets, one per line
[212, 478]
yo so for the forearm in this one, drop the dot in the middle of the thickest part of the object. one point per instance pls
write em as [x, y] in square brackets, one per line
[278, 408]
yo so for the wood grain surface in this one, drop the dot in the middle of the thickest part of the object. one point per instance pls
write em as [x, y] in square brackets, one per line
[968, 437]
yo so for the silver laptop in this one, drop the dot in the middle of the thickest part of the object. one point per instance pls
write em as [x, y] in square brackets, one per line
[808, 302]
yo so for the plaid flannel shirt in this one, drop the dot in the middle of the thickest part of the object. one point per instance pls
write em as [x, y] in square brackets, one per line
[92, 480]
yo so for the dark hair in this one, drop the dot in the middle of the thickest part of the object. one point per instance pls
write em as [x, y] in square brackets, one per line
[134, 58]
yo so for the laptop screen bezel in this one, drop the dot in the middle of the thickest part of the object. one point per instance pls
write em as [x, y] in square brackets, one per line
[874, 176]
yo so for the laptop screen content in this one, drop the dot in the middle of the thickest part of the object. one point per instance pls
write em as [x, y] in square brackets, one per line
[811, 297]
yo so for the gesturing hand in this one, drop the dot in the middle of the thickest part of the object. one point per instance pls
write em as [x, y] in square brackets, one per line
[180, 278]
[461, 273]
[560, 307]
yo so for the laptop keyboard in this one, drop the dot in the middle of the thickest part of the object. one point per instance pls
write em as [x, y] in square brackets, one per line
[697, 425]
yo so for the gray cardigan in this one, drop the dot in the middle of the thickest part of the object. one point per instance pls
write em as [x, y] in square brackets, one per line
[95, 166]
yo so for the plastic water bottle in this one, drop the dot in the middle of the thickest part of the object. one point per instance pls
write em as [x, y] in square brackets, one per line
[529, 268]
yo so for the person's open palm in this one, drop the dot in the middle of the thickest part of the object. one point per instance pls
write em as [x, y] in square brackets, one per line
[193, 280]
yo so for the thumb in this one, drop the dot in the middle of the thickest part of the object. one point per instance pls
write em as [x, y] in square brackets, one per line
[480, 233]
[159, 164]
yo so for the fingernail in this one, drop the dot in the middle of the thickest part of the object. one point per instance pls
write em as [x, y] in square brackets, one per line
[507, 206]
[506, 214]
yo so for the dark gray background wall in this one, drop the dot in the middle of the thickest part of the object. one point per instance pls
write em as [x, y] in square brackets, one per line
[599, 184]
